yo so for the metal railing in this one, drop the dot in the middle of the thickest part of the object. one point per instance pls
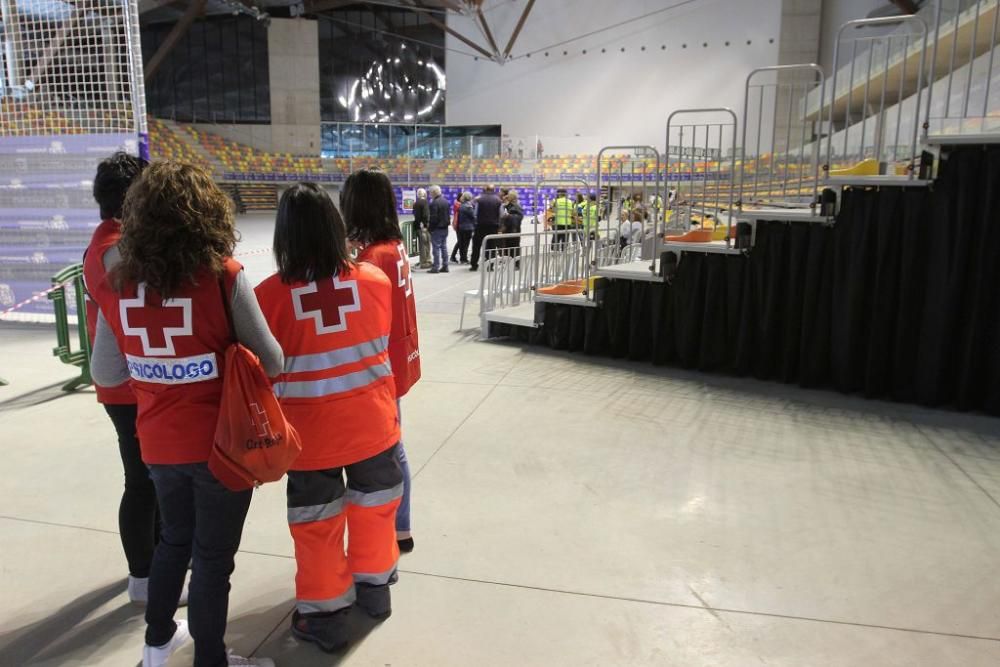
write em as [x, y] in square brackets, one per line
[514, 266]
[710, 202]
[782, 171]
[883, 71]
[965, 34]
[614, 211]
[64, 349]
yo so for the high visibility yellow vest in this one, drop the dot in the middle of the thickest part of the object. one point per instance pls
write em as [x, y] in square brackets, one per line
[562, 210]
[590, 215]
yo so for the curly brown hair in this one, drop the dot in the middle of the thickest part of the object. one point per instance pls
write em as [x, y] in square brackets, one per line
[176, 223]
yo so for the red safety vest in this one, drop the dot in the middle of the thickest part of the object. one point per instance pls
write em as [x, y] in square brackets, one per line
[337, 389]
[404, 348]
[105, 237]
[175, 351]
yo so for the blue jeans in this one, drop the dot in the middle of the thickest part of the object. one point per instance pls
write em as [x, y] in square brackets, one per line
[202, 519]
[403, 511]
[439, 246]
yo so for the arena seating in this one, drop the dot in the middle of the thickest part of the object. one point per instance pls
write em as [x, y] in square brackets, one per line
[164, 144]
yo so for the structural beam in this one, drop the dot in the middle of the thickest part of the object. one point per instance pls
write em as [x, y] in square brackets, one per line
[517, 29]
[194, 10]
[457, 35]
[489, 34]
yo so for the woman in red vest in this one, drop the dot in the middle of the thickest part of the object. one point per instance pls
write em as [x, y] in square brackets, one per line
[369, 205]
[332, 317]
[137, 514]
[163, 326]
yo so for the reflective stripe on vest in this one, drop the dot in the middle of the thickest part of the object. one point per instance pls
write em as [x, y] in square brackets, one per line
[347, 355]
[334, 385]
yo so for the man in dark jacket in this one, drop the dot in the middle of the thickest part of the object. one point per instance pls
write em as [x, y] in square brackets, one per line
[487, 222]
[439, 219]
[421, 215]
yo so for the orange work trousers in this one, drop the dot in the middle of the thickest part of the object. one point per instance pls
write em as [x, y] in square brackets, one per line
[320, 507]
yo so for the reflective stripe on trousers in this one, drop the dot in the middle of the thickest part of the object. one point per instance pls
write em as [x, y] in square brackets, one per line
[375, 579]
[334, 385]
[374, 498]
[328, 605]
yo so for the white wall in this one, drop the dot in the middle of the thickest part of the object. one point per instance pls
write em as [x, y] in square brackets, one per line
[610, 97]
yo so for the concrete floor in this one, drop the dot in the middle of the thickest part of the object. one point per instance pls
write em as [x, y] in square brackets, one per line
[568, 511]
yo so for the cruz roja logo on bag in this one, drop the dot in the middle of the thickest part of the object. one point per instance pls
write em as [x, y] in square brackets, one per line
[265, 438]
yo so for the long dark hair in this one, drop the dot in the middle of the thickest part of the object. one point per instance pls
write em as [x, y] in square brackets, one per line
[310, 241]
[369, 205]
[176, 223]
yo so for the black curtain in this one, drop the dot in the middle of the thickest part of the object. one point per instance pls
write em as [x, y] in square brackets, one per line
[897, 300]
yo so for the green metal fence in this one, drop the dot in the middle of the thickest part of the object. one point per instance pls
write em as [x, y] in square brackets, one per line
[410, 238]
[72, 277]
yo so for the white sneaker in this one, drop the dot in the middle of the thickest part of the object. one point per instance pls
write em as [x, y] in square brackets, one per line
[247, 662]
[157, 656]
[138, 591]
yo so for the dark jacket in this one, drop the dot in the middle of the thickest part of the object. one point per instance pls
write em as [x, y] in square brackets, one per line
[488, 211]
[467, 217]
[421, 211]
[440, 213]
[512, 221]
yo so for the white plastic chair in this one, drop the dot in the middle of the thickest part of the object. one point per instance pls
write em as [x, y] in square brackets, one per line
[631, 253]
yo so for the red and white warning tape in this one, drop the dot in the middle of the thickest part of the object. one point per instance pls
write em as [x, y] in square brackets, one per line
[36, 297]
[41, 295]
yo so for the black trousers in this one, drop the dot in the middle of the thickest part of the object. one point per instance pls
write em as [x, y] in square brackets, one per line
[138, 517]
[202, 524]
[462, 245]
[482, 231]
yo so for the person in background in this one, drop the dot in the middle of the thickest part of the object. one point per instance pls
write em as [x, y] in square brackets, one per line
[438, 219]
[138, 517]
[487, 222]
[579, 204]
[564, 217]
[510, 223]
[163, 324]
[369, 207]
[589, 216]
[421, 213]
[466, 227]
[333, 317]
[520, 149]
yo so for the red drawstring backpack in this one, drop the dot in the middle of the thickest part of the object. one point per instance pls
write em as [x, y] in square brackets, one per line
[254, 443]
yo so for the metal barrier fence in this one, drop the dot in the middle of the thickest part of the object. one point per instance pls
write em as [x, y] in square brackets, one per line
[708, 204]
[884, 70]
[633, 209]
[965, 44]
[514, 266]
[64, 348]
[782, 171]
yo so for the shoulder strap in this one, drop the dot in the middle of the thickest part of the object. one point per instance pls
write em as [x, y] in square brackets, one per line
[226, 305]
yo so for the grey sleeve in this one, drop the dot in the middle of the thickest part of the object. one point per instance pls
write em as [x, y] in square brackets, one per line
[251, 327]
[107, 363]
